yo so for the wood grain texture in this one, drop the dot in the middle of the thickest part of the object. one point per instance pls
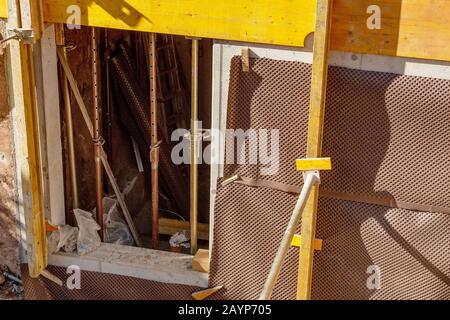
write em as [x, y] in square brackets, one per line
[314, 143]
[23, 91]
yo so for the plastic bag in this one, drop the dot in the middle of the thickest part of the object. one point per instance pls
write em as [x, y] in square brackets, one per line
[179, 239]
[65, 237]
[88, 239]
[68, 238]
[116, 228]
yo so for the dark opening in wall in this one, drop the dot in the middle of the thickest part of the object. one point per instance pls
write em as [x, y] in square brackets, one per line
[125, 90]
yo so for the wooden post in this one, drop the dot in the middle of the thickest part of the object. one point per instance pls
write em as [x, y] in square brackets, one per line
[60, 42]
[314, 142]
[194, 147]
[22, 88]
[51, 121]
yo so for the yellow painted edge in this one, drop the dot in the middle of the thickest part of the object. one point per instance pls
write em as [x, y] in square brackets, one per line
[35, 219]
[272, 22]
[3, 9]
[297, 240]
[308, 164]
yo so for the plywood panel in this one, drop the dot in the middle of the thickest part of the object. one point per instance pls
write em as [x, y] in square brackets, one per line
[409, 28]
[277, 22]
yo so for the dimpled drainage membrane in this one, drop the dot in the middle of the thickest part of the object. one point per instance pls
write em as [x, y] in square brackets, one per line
[102, 286]
[389, 139]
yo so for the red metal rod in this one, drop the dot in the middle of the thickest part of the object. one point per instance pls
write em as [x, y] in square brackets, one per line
[154, 148]
[97, 130]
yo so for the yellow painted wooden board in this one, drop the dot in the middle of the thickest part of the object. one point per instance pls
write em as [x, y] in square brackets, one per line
[309, 164]
[409, 28]
[285, 22]
[23, 91]
[314, 143]
[3, 9]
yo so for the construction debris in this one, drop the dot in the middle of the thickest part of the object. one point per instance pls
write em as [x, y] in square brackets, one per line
[10, 284]
[179, 239]
[88, 239]
[116, 229]
[64, 238]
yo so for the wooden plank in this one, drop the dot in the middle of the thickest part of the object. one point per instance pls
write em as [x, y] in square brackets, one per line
[194, 150]
[52, 127]
[200, 262]
[203, 294]
[22, 87]
[172, 226]
[413, 28]
[278, 22]
[48, 275]
[405, 31]
[314, 142]
[245, 59]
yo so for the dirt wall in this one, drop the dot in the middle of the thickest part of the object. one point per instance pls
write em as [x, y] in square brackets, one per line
[9, 233]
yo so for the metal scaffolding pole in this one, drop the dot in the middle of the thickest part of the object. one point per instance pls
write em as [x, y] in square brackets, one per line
[98, 140]
[154, 149]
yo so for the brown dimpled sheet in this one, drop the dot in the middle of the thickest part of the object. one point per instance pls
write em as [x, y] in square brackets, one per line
[389, 139]
[388, 135]
[102, 286]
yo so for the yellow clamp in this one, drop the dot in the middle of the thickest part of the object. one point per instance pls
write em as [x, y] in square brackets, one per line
[313, 164]
[297, 240]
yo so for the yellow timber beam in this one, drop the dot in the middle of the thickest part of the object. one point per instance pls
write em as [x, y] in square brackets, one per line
[23, 91]
[278, 22]
[3, 9]
[413, 28]
[314, 142]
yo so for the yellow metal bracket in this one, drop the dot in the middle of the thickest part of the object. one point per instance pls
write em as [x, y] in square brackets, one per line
[297, 241]
[310, 164]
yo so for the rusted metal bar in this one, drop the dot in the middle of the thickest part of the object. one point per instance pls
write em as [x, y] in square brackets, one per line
[154, 148]
[138, 103]
[108, 112]
[90, 127]
[60, 39]
[98, 140]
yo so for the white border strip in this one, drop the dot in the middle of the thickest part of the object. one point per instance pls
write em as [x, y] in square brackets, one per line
[155, 265]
